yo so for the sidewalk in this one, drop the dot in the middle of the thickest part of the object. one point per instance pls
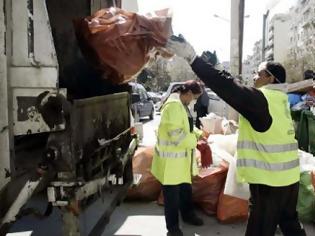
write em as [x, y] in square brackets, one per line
[147, 219]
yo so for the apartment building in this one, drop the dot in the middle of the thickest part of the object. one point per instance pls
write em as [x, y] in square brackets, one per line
[251, 63]
[276, 38]
[302, 35]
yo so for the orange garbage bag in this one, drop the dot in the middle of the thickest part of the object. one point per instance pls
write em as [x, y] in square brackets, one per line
[118, 42]
[207, 187]
[231, 209]
[149, 188]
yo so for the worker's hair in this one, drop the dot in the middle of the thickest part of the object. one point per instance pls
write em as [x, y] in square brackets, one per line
[277, 70]
[193, 85]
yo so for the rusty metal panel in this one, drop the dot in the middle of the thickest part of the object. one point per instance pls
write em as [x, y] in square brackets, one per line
[4, 119]
[99, 4]
[26, 117]
[95, 6]
[100, 117]
[31, 77]
[95, 121]
[20, 21]
[44, 50]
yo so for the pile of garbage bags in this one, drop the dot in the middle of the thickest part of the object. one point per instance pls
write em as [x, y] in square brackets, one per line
[208, 186]
[215, 189]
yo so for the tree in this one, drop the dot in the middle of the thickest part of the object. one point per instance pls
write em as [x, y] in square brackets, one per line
[159, 78]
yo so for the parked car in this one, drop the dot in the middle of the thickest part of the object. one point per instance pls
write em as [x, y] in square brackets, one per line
[156, 97]
[144, 107]
[166, 94]
[170, 89]
[216, 104]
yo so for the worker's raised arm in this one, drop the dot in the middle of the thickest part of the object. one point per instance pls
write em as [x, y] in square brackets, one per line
[248, 101]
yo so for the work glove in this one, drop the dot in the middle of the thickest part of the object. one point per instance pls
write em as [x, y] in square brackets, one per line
[206, 154]
[205, 134]
[179, 46]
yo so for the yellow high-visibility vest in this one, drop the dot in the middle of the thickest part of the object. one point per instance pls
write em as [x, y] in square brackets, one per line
[269, 157]
[174, 155]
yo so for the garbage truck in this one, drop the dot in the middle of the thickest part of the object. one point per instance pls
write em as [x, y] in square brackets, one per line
[66, 141]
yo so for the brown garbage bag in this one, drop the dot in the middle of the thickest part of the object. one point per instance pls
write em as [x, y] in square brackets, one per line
[231, 209]
[148, 188]
[118, 42]
[206, 188]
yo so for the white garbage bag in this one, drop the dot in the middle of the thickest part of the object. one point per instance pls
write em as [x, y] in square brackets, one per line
[225, 142]
[307, 161]
[232, 187]
[212, 123]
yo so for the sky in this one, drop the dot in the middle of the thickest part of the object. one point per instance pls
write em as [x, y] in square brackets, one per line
[195, 20]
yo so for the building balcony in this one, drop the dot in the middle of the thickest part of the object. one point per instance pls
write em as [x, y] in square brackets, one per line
[269, 52]
[270, 57]
[270, 45]
[308, 20]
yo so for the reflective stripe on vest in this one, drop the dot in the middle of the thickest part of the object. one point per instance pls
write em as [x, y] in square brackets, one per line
[175, 132]
[268, 166]
[170, 143]
[275, 148]
[163, 154]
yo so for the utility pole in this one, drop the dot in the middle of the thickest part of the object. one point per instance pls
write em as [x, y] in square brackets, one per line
[236, 46]
[265, 16]
[237, 25]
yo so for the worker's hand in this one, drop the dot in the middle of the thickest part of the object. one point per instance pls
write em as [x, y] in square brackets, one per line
[179, 46]
[205, 134]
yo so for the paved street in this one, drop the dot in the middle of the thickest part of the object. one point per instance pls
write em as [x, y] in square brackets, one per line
[149, 128]
[147, 219]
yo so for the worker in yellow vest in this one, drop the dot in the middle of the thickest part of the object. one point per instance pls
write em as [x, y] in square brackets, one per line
[267, 152]
[174, 160]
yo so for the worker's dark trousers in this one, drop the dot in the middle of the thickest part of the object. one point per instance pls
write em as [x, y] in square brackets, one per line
[177, 198]
[201, 112]
[273, 206]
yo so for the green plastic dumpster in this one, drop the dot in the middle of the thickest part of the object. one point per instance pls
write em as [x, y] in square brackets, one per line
[311, 132]
[306, 132]
[302, 132]
[296, 116]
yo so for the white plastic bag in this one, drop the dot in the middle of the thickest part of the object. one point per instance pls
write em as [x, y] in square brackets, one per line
[227, 143]
[232, 187]
[307, 161]
[212, 123]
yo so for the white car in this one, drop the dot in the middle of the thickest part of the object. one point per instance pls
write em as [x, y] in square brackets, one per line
[216, 104]
[170, 89]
